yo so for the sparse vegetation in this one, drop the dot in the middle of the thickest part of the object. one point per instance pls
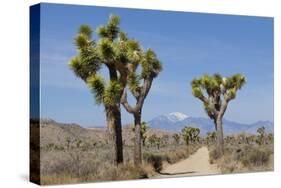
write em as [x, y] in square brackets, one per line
[244, 153]
[190, 134]
[176, 137]
[89, 158]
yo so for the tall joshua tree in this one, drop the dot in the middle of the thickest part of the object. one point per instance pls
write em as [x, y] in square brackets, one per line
[117, 53]
[216, 92]
[139, 84]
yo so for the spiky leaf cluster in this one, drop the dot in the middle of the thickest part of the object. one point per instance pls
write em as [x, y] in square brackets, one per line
[214, 90]
[105, 93]
[151, 66]
[117, 52]
[190, 134]
[144, 128]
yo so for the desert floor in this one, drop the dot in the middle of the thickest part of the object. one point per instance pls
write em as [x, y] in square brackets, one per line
[197, 164]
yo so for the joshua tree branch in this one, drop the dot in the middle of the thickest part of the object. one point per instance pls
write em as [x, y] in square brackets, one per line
[143, 92]
[125, 102]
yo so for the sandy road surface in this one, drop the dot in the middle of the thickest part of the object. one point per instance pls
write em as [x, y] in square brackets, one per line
[196, 164]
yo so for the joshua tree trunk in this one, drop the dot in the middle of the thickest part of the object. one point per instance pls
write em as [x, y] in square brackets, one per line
[113, 117]
[138, 141]
[219, 135]
[136, 111]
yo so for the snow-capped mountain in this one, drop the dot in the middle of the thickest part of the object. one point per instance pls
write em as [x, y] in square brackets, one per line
[176, 116]
[175, 121]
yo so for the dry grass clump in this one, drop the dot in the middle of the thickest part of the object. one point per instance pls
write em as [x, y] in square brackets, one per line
[243, 158]
[170, 156]
[106, 172]
[75, 165]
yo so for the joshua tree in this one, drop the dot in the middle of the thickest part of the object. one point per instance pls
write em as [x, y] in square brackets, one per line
[67, 140]
[117, 53]
[155, 140]
[165, 139]
[139, 84]
[261, 135]
[216, 92]
[78, 143]
[211, 137]
[270, 138]
[185, 134]
[195, 134]
[176, 138]
[190, 134]
[144, 127]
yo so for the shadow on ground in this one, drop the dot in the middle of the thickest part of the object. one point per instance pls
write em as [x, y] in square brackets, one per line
[177, 173]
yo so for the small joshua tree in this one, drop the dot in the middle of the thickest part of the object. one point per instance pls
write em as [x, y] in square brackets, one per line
[185, 134]
[176, 137]
[194, 135]
[261, 135]
[154, 140]
[211, 137]
[270, 138]
[165, 140]
[68, 141]
[144, 127]
[190, 134]
[216, 92]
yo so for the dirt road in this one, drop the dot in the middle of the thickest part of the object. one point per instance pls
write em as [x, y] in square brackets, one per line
[196, 164]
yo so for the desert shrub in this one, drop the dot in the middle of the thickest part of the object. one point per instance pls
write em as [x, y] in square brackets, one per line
[256, 157]
[175, 156]
[178, 154]
[169, 156]
[243, 157]
[213, 154]
[156, 160]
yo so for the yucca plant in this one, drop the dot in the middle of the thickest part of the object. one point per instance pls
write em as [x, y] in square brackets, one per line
[118, 54]
[139, 84]
[144, 127]
[190, 134]
[216, 92]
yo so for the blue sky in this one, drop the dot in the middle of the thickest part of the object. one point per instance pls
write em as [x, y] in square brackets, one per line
[188, 45]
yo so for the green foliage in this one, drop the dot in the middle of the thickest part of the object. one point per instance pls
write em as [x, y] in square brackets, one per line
[176, 138]
[144, 127]
[81, 41]
[105, 50]
[133, 81]
[97, 85]
[216, 85]
[190, 134]
[78, 143]
[270, 138]
[235, 81]
[112, 93]
[211, 137]
[261, 135]
[86, 30]
[214, 90]
[151, 66]
[104, 94]
[154, 140]
[110, 30]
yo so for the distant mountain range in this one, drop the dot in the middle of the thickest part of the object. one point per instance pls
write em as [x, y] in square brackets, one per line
[176, 121]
